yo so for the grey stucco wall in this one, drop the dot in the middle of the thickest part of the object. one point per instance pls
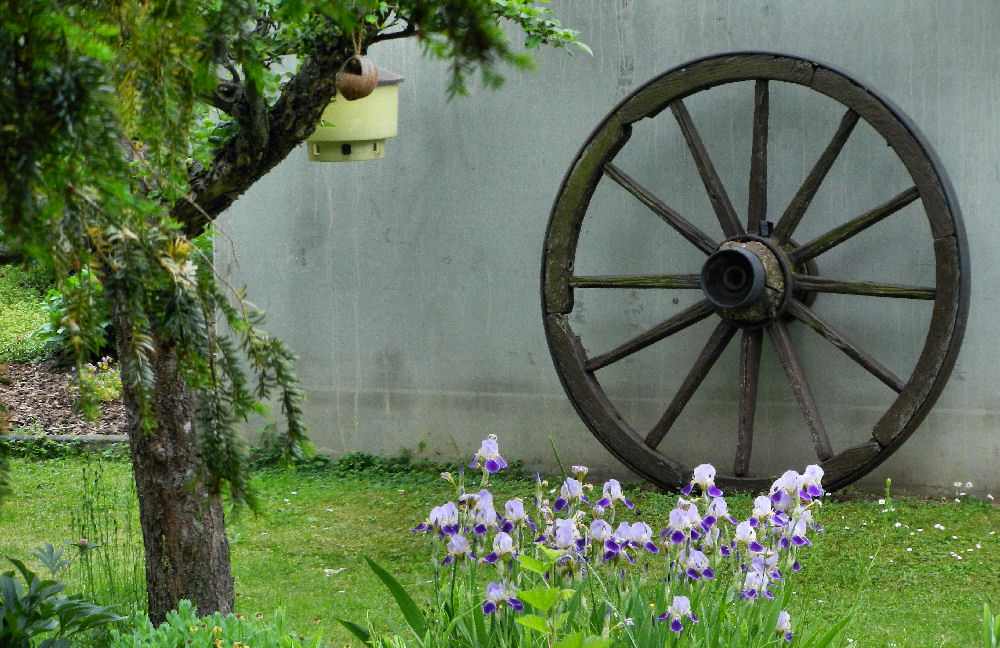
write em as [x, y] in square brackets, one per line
[409, 286]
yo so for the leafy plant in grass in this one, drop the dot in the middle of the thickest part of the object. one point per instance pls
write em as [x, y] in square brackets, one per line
[36, 608]
[20, 315]
[78, 318]
[183, 627]
[577, 580]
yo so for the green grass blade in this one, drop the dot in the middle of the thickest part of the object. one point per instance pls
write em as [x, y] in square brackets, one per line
[407, 606]
[562, 468]
[990, 627]
[832, 633]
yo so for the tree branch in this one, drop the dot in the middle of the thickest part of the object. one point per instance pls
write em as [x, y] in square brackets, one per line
[406, 32]
[265, 137]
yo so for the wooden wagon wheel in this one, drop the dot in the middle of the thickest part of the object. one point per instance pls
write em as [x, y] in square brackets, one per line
[756, 280]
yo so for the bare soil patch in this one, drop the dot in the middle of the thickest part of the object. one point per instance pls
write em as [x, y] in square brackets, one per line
[40, 401]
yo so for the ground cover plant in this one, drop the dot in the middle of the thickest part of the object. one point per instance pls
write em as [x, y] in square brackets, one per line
[21, 294]
[915, 571]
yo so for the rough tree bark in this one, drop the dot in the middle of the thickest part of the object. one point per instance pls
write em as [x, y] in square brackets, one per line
[183, 526]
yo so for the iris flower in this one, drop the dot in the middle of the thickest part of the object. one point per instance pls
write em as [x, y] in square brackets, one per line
[683, 522]
[489, 456]
[571, 491]
[784, 626]
[613, 493]
[503, 546]
[680, 608]
[443, 518]
[515, 517]
[704, 477]
[498, 594]
[458, 549]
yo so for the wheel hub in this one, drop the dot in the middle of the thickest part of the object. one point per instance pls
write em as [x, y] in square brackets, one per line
[746, 280]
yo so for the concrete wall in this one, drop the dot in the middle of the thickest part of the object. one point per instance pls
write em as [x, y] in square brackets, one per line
[409, 286]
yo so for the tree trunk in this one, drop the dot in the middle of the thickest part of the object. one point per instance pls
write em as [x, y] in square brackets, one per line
[183, 526]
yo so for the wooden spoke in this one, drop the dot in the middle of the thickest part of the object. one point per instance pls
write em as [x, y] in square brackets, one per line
[677, 281]
[806, 315]
[838, 235]
[679, 322]
[793, 214]
[800, 387]
[757, 203]
[867, 288]
[702, 241]
[731, 225]
[750, 347]
[716, 344]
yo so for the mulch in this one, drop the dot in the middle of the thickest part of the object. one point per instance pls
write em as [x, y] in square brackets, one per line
[40, 401]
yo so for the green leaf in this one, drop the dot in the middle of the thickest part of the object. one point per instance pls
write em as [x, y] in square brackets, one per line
[597, 642]
[534, 622]
[574, 640]
[540, 598]
[357, 631]
[410, 611]
[532, 564]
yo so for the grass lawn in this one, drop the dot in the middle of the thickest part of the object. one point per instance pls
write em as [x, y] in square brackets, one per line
[915, 576]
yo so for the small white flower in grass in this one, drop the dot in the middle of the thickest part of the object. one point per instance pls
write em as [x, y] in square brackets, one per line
[881, 502]
[898, 524]
[954, 537]
[909, 548]
[957, 484]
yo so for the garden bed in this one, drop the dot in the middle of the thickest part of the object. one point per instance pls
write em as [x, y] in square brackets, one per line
[40, 402]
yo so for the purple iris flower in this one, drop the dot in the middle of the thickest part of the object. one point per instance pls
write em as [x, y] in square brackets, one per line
[571, 491]
[458, 549]
[565, 533]
[704, 477]
[498, 594]
[489, 456]
[784, 626]
[503, 546]
[680, 608]
[682, 522]
[444, 518]
[695, 564]
[613, 493]
[642, 536]
[515, 516]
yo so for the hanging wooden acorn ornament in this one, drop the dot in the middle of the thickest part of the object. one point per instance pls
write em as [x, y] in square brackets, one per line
[357, 78]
